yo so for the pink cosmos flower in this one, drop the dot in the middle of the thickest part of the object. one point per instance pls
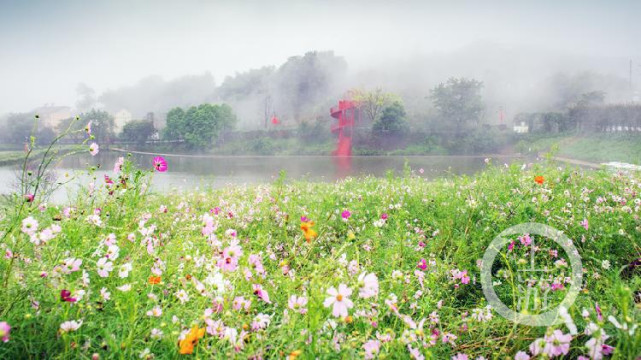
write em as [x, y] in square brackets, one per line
[346, 214]
[104, 267]
[208, 225]
[256, 263]
[521, 355]
[94, 149]
[298, 304]
[29, 198]
[118, 165]
[218, 304]
[384, 216]
[261, 293]
[29, 226]
[371, 348]
[415, 353]
[72, 325]
[229, 259]
[525, 240]
[369, 285]
[241, 303]
[585, 224]
[160, 164]
[559, 342]
[5, 329]
[460, 356]
[599, 314]
[339, 299]
[88, 128]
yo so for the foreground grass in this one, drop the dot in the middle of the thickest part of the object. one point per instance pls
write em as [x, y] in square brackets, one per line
[137, 270]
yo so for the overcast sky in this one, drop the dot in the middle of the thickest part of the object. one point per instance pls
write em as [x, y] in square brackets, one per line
[47, 47]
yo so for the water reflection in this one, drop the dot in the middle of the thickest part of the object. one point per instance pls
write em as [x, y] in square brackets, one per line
[186, 172]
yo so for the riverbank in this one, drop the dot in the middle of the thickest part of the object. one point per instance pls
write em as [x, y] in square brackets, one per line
[592, 148]
[257, 271]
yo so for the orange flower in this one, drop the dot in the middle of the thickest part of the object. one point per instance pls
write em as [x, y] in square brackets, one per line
[154, 280]
[539, 179]
[191, 339]
[309, 233]
[294, 354]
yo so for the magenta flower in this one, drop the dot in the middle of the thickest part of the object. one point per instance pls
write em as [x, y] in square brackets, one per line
[65, 295]
[160, 164]
[29, 198]
[5, 329]
[422, 264]
[384, 216]
[261, 293]
[304, 219]
[526, 240]
[346, 214]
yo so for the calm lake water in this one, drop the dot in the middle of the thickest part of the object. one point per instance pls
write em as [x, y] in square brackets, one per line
[187, 172]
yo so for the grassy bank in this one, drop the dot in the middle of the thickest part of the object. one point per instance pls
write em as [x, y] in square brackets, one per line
[11, 157]
[388, 267]
[595, 148]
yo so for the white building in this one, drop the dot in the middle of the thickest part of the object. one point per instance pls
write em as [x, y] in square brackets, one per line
[51, 116]
[120, 119]
[521, 128]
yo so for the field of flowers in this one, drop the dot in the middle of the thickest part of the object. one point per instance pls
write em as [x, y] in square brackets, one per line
[362, 268]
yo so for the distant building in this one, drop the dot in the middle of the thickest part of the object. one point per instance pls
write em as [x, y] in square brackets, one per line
[521, 128]
[51, 116]
[120, 119]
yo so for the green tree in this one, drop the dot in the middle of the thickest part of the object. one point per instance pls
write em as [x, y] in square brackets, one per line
[18, 127]
[102, 125]
[200, 126]
[392, 121]
[137, 131]
[458, 102]
[175, 124]
[372, 102]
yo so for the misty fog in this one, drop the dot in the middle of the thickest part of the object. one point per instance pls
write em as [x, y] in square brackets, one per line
[151, 58]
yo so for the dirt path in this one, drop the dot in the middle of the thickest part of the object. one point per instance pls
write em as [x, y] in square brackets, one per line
[577, 162]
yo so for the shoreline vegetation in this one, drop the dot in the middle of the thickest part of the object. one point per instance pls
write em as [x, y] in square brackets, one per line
[594, 149]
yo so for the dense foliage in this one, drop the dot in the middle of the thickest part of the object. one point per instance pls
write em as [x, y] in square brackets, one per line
[199, 126]
[137, 131]
[459, 103]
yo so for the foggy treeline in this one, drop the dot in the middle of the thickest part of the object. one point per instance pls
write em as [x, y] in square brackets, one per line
[304, 87]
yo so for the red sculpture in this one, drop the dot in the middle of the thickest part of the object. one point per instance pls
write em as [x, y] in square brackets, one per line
[347, 114]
